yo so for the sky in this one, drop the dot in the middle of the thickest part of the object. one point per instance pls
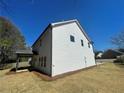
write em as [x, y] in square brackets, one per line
[101, 19]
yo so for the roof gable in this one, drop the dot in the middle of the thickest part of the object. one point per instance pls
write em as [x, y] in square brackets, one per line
[72, 21]
[64, 23]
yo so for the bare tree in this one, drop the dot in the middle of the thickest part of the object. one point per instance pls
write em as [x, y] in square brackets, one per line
[118, 40]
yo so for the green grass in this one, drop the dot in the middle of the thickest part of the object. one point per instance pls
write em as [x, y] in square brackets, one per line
[106, 78]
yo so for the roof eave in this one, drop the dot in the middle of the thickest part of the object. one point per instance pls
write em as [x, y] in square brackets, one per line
[41, 34]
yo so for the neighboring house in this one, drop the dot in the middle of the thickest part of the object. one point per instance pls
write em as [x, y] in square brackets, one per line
[111, 54]
[119, 59]
[61, 48]
[98, 55]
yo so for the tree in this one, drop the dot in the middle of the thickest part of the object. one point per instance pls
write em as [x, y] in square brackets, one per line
[10, 39]
[118, 40]
[10, 36]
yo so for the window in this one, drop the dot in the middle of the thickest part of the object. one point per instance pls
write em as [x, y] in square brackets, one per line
[82, 43]
[88, 44]
[41, 61]
[72, 38]
[45, 61]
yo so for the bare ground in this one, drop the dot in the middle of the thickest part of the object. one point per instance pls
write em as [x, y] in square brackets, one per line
[105, 78]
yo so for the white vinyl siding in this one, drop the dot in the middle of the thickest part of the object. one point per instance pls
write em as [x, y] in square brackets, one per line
[44, 56]
[67, 56]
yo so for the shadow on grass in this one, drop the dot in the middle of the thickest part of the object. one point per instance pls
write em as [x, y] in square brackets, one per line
[21, 68]
[28, 68]
[24, 69]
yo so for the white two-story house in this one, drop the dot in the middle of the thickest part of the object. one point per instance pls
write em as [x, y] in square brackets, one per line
[63, 47]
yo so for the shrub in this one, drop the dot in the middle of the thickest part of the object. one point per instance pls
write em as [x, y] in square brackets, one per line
[120, 59]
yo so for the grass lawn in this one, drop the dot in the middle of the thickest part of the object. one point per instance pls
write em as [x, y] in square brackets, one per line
[2, 72]
[106, 78]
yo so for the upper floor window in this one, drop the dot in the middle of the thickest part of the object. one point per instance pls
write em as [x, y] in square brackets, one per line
[72, 39]
[82, 43]
[88, 44]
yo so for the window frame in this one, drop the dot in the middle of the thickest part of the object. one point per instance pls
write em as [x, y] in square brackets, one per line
[88, 44]
[44, 59]
[82, 42]
[72, 38]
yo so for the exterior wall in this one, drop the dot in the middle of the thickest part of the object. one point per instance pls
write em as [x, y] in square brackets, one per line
[43, 50]
[69, 56]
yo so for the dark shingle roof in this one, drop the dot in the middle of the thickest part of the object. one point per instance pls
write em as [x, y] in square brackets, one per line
[26, 51]
[116, 50]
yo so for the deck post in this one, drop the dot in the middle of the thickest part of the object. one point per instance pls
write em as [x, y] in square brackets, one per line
[17, 63]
